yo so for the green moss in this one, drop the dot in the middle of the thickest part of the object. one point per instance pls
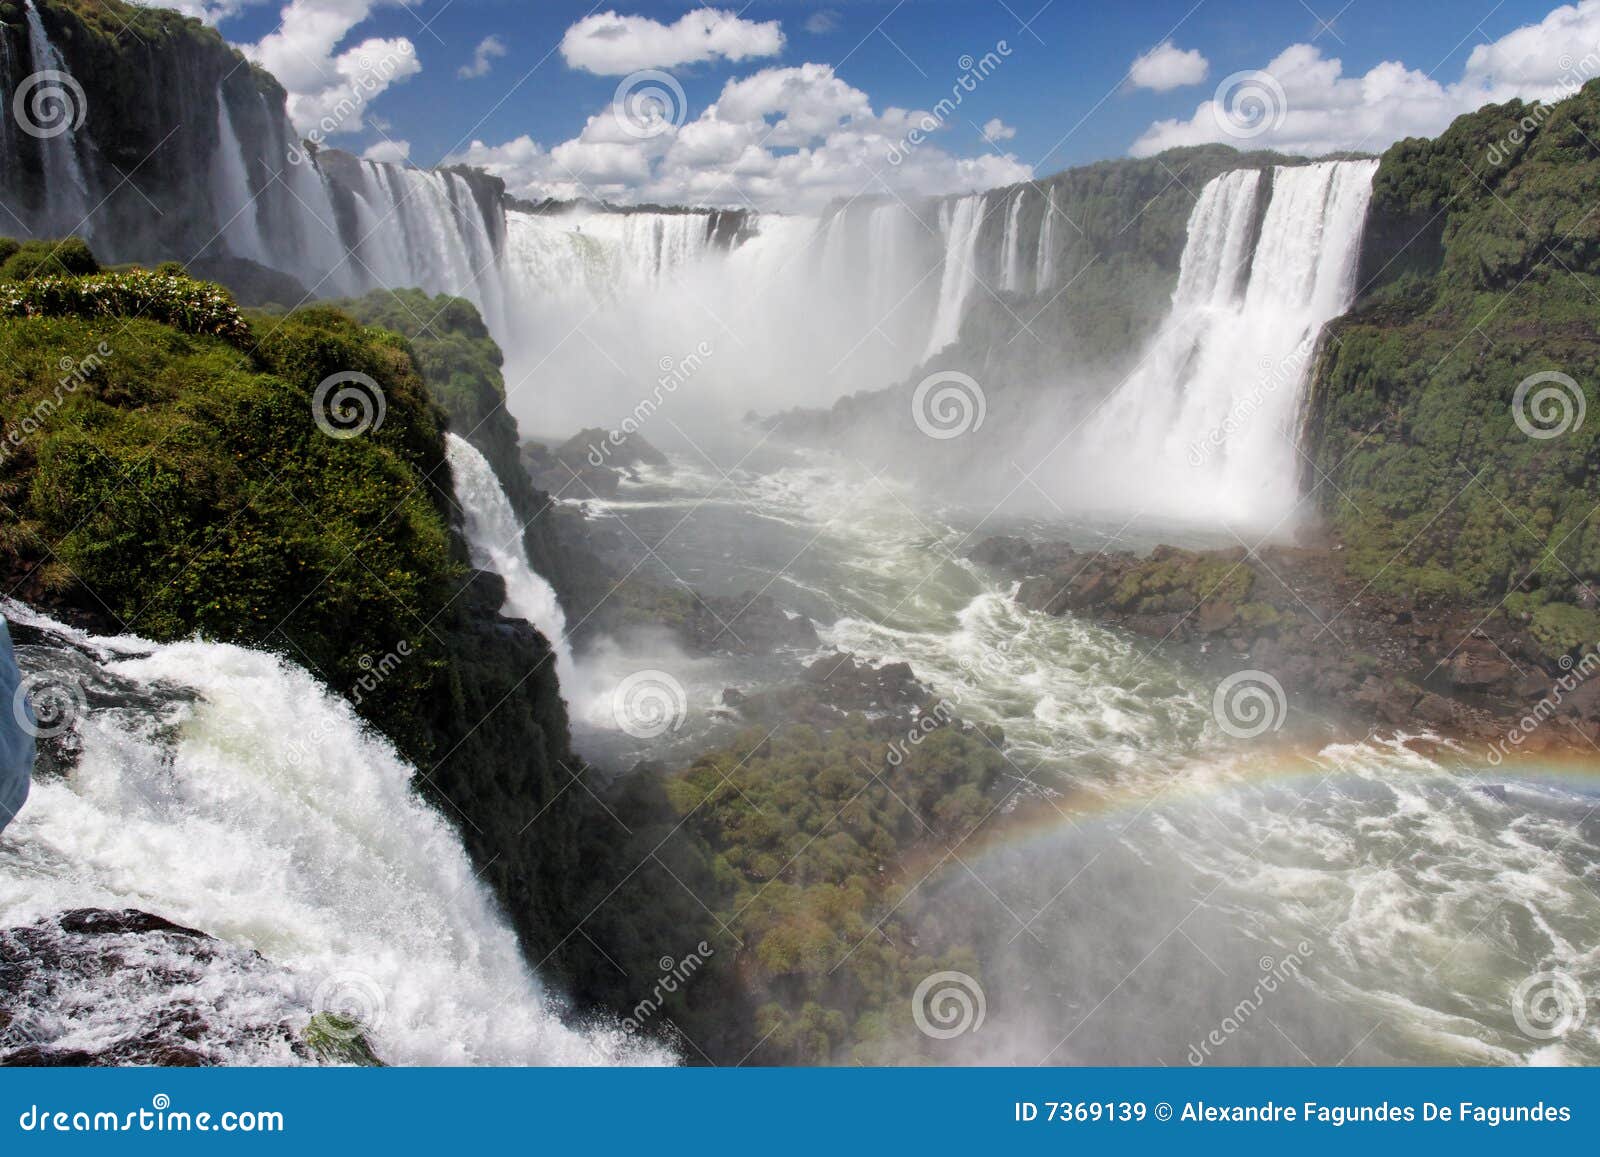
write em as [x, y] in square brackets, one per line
[1482, 269]
[69, 257]
[340, 1040]
[1562, 629]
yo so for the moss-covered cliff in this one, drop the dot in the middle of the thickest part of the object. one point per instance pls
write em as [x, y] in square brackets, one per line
[166, 477]
[1480, 270]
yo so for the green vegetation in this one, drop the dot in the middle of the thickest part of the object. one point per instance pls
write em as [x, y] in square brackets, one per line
[167, 483]
[1482, 268]
[69, 257]
[340, 1040]
[158, 478]
[807, 847]
[195, 307]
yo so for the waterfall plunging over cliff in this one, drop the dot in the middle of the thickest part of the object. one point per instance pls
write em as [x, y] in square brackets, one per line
[1204, 426]
[53, 108]
[495, 537]
[961, 225]
[226, 789]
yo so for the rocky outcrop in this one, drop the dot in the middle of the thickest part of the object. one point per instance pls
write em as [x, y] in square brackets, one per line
[1378, 660]
[195, 1000]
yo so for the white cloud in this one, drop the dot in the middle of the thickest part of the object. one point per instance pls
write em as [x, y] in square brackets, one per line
[782, 138]
[210, 11]
[489, 49]
[996, 130]
[1166, 67]
[614, 45]
[820, 22]
[389, 150]
[329, 93]
[1308, 105]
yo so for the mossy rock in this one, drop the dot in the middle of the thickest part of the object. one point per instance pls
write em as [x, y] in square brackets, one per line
[340, 1040]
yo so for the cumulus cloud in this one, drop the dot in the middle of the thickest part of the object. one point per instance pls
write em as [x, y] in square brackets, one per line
[1166, 67]
[996, 130]
[1302, 102]
[489, 49]
[613, 45]
[782, 138]
[390, 150]
[330, 90]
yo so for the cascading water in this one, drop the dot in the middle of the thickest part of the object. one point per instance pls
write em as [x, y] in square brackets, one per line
[495, 537]
[1045, 261]
[66, 190]
[1011, 266]
[237, 216]
[1203, 428]
[228, 791]
[963, 223]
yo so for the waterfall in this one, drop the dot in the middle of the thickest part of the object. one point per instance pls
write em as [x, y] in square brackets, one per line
[1045, 261]
[227, 790]
[237, 219]
[1218, 241]
[1011, 267]
[66, 190]
[962, 225]
[495, 538]
[1205, 426]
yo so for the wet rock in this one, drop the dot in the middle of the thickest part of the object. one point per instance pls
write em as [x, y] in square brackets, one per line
[98, 987]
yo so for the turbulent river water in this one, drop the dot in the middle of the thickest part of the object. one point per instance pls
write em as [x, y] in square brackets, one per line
[1165, 892]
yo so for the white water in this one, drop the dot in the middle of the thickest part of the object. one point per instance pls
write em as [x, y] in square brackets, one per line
[1205, 426]
[66, 190]
[237, 216]
[962, 225]
[1011, 267]
[1165, 859]
[265, 814]
[495, 537]
[1045, 260]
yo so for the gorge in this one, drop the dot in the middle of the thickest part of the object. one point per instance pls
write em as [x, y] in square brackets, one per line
[895, 640]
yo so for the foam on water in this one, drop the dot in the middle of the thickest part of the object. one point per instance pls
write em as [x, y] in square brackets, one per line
[257, 808]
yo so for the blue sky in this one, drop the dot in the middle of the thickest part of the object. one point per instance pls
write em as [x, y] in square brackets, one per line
[1062, 94]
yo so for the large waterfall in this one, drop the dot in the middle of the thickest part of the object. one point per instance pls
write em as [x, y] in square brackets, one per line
[603, 313]
[227, 790]
[494, 535]
[1205, 426]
